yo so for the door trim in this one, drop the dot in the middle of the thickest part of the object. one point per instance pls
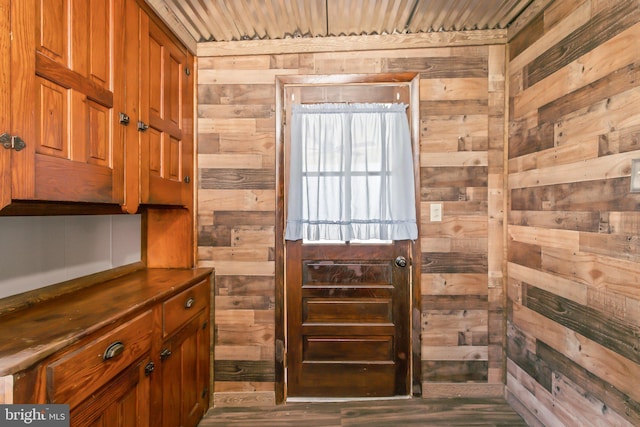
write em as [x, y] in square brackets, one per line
[413, 79]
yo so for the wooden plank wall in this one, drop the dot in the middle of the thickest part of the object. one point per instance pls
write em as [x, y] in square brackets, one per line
[462, 166]
[573, 252]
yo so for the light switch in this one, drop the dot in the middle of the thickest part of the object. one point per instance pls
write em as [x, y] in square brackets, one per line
[436, 212]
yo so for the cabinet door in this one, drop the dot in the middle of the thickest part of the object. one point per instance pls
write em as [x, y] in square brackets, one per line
[62, 101]
[5, 100]
[185, 374]
[124, 402]
[166, 148]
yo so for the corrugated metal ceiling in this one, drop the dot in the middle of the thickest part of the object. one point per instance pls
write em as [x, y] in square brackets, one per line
[233, 20]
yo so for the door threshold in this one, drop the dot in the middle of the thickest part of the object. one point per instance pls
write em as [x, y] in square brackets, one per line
[341, 399]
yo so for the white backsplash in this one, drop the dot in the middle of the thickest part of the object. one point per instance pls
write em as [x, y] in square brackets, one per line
[43, 250]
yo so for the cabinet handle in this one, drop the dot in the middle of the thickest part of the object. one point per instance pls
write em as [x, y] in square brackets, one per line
[189, 303]
[165, 353]
[113, 350]
[142, 126]
[187, 179]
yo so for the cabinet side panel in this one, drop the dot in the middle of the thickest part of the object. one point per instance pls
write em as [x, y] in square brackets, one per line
[169, 238]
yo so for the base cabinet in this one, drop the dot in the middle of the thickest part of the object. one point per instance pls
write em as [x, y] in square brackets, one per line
[183, 364]
[180, 385]
[134, 351]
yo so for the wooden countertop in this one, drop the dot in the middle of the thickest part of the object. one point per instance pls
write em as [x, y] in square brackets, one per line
[29, 335]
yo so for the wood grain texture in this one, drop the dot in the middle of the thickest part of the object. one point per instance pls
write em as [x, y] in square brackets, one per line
[61, 321]
[432, 412]
[573, 330]
[461, 98]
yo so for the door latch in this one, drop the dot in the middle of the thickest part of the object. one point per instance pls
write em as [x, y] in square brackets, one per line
[149, 368]
[124, 119]
[142, 126]
[10, 142]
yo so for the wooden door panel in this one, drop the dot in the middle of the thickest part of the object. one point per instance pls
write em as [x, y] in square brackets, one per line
[348, 310]
[352, 349]
[184, 374]
[64, 68]
[353, 379]
[98, 51]
[58, 183]
[98, 138]
[90, 47]
[163, 66]
[156, 75]
[53, 31]
[155, 152]
[174, 159]
[174, 89]
[52, 110]
[123, 402]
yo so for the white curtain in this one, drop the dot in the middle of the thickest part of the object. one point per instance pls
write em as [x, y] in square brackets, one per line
[351, 173]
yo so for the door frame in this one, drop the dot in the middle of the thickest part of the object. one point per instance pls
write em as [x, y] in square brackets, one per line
[411, 79]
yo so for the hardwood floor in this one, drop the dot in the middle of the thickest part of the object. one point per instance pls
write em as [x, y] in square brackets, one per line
[372, 413]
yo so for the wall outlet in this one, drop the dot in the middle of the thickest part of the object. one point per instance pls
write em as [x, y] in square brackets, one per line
[436, 212]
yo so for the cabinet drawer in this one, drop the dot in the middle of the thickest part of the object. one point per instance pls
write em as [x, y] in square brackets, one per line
[78, 374]
[182, 307]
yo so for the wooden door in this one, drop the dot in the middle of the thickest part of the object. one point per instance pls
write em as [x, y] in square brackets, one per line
[63, 74]
[348, 319]
[124, 402]
[165, 144]
[184, 375]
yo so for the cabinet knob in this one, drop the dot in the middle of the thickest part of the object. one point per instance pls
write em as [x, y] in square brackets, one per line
[187, 179]
[113, 350]
[189, 303]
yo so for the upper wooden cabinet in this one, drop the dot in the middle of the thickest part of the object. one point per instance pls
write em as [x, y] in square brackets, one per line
[97, 105]
[60, 130]
[159, 100]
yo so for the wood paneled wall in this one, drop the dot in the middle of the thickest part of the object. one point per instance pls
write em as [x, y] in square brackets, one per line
[573, 252]
[462, 103]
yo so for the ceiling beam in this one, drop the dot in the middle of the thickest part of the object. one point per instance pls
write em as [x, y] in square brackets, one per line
[353, 43]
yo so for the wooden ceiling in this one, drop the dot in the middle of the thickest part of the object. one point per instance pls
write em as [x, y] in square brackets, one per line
[241, 20]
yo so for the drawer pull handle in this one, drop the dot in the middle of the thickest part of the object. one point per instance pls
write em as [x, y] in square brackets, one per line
[189, 303]
[113, 350]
